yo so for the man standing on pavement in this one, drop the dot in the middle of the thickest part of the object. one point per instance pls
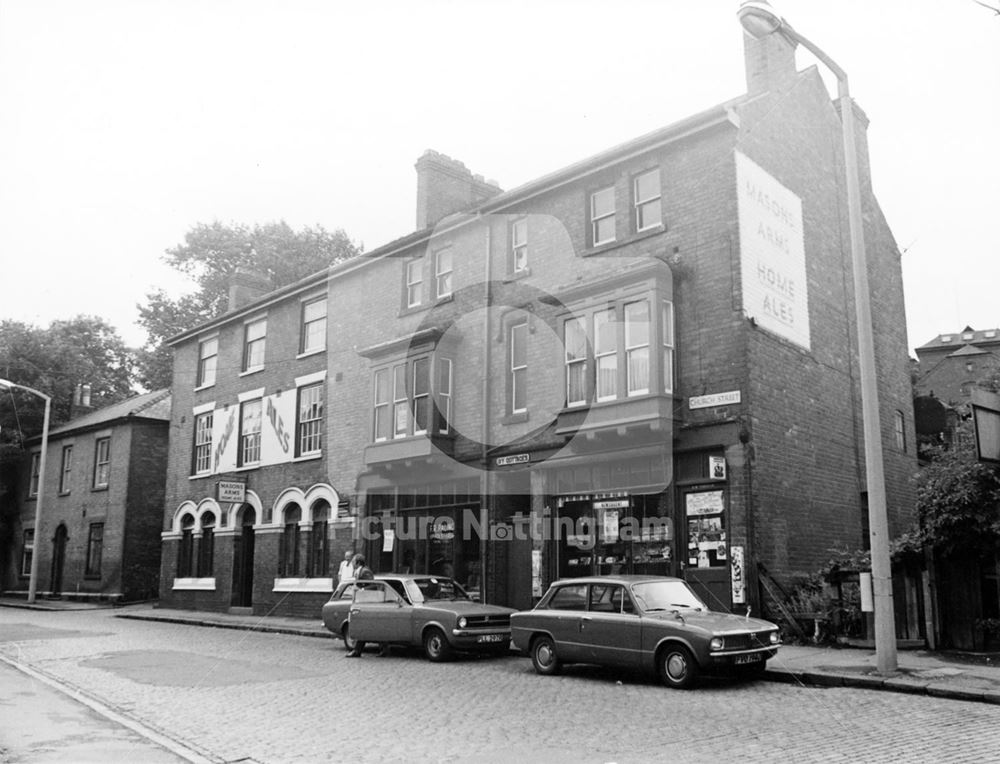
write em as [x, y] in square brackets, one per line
[346, 572]
[363, 573]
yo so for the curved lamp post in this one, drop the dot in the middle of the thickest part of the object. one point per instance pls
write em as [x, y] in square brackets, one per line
[759, 20]
[33, 580]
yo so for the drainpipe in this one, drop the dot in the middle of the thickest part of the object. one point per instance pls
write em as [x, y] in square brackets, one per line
[485, 480]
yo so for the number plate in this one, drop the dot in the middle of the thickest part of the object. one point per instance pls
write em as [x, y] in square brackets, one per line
[492, 638]
[743, 659]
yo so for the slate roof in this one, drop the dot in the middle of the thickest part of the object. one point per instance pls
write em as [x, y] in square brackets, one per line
[152, 405]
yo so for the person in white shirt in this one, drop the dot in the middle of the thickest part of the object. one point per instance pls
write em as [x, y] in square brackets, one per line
[346, 572]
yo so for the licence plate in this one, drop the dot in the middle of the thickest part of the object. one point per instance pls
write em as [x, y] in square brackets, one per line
[491, 638]
[743, 659]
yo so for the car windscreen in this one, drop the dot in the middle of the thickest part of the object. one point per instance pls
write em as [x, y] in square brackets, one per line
[666, 595]
[437, 588]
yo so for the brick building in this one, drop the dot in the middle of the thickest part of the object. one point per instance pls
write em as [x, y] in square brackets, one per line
[952, 365]
[644, 362]
[102, 504]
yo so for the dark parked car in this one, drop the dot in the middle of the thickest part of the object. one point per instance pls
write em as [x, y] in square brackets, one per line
[650, 623]
[432, 612]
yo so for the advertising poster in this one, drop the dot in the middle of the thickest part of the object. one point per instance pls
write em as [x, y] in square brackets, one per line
[738, 575]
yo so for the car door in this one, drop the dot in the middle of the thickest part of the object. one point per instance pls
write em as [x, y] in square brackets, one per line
[611, 627]
[566, 609]
[379, 614]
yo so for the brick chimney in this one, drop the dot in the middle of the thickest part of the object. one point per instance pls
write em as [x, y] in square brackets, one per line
[246, 285]
[446, 186]
[770, 63]
[81, 401]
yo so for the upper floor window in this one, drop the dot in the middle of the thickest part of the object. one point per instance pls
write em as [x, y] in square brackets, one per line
[518, 371]
[66, 473]
[102, 462]
[95, 549]
[203, 442]
[637, 347]
[646, 196]
[36, 462]
[414, 282]
[208, 356]
[900, 429]
[250, 426]
[412, 398]
[443, 273]
[310, 424]
[667, 339]
[602, 216]
[606, 354]
[313, 326]
[519, 245]
[253, 344]
[576, 362]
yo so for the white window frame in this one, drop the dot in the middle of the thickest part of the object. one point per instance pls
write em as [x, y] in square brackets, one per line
[203, 423]
[250, 442]
[250, 344]
[207, 371]
[27, 550]
[442, 393]
[645, 205]
[102, 462]
[382, 404]
[397, 395]
[66, 469]
[576, 363]
[606, 352]
[443, 273]
[36, 465]
[309, 431]
[421, 396]
[634, 346]
[519, 245]
[313, 330]
[518, 371]
[400, 402]
[597, 218]
[414, 282]
[667, 339]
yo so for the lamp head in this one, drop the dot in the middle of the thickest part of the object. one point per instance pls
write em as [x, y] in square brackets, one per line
[758, 18]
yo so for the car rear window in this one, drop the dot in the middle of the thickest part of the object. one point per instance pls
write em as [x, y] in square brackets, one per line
[572, 597]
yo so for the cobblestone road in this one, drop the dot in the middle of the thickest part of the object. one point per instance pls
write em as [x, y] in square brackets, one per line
[240, 696]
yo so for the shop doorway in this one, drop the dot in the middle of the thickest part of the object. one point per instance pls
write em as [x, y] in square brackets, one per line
[706, 566]
[58, 560]
[243, 553]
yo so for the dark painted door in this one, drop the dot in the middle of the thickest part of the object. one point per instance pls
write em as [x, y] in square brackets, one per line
[58, 559]
[243, 562]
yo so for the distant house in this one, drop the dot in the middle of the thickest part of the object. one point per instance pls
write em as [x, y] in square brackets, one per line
[951, 365]
[102, 504]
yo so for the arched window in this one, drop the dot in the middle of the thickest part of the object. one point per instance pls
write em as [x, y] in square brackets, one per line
[185, 554]
[319, 558]
[206, 548]
[288, 558]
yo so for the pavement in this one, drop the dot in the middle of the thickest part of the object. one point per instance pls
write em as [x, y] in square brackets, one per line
[958, 676]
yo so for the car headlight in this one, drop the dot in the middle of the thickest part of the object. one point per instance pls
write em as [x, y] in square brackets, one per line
[716, 643]
[462, 622]
[775, 638]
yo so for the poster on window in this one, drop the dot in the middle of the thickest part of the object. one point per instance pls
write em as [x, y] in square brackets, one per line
[738, 575]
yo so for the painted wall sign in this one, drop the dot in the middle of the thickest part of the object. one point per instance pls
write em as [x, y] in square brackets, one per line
[504, 461]
[715, 399]
[772, 253]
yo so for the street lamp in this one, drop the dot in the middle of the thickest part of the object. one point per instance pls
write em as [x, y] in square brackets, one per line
[33, 580]
[759, 20]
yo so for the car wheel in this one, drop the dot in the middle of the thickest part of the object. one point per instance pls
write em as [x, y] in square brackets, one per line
[349, 643]
[678, 667]
[543, 656]
[436, 646]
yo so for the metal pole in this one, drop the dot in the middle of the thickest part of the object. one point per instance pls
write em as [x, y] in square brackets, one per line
[33, 580]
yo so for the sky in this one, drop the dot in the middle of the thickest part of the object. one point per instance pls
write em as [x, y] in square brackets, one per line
[123, 123]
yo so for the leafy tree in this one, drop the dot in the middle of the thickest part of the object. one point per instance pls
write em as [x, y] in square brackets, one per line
[958, 499]
[210, 255]
[81, 350]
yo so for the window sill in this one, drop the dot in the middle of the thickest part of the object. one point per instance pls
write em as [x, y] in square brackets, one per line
[450, 297]
[254, 370]
[321, 585]
[517, 275]
[601, 249]
[194, 584]
[204, 387]
[516, 418]
[99, 488]
[248, 467]
[200, 476]
[63, 493]
[307, 353]
[308, 457]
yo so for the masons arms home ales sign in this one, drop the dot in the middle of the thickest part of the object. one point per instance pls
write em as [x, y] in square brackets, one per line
[772, 254]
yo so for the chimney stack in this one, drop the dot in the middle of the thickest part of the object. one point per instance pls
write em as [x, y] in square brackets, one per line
[246, 285]
[446, 186]
[770, 63]
[81, 401]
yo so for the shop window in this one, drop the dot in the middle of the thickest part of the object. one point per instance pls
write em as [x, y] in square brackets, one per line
[310, 420]
[206, 546]
[706, 531]
[185, 552]
[203, 443]
[250, 425]
[95, 549]
[27, 551]
[313, 326]
[66, 471]
[208, 356]
[255, 338]
[102, 462]
[288, 556]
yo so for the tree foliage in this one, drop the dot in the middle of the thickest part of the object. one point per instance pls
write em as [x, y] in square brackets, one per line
[54, 360]
[958, 499]
[209, 256]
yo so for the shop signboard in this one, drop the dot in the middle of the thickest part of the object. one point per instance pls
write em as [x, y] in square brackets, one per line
[231, 491]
